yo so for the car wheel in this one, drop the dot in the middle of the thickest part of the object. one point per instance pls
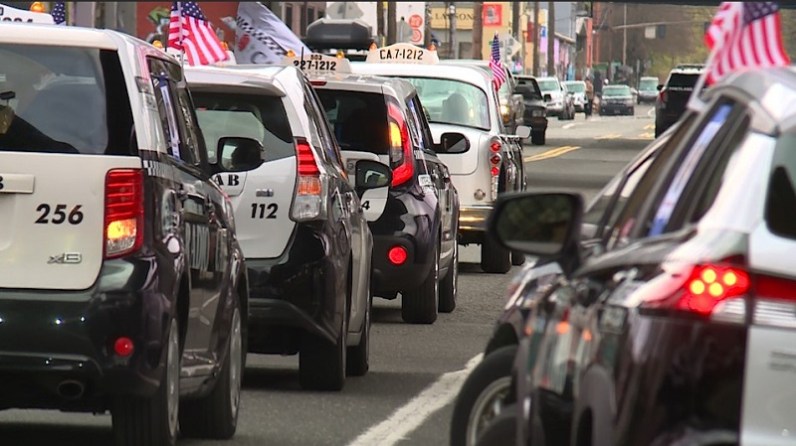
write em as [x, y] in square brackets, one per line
[155, 420]
[322, 365]
[494, 258]
[503, 430]
[517, 258]
[216, 415]
[449, 285]
[359, 355]
[480, 399]
[538, 138]
[420, 306]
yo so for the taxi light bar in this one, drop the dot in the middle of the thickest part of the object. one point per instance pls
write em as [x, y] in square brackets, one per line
[124, 212]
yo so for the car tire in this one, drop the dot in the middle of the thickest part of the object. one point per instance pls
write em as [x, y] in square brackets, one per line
[420, 306]
[216, 415]
[449, 285]
[503, 430]
[489, 380]
[517, 258]
[538, 138]
[152, 421]
[322, 365]
[494, 258]
[359, 355]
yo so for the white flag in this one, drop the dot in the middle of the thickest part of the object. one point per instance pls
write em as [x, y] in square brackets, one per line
[261, 37]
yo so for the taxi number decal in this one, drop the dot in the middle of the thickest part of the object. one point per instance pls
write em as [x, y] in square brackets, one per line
[75, 216]
[366, 205]
[262, 207]
[403, 53]
[320, 65]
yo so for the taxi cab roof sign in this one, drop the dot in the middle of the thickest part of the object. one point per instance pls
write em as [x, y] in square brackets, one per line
[315, 63]
[14, 15]
[402, 53]
[347, 34]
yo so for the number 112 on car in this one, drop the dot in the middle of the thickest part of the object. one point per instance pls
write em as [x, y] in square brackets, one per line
[263, 210]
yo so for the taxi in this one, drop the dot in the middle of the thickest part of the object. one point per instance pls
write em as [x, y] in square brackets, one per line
[462, 108]
[415, 251]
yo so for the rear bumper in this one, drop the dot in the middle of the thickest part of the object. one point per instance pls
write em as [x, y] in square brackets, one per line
[389, 278]
[49, 337]
[607, 109]
[473, 218]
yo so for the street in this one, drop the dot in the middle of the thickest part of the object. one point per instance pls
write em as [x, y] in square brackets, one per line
[416, 370]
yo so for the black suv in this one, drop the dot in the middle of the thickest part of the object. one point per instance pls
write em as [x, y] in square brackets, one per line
[123, 286]
[673, 96]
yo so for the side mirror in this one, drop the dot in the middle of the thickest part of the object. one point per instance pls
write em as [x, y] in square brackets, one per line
[239, 154]
[372, 175]
[545, 225]
[659, 87]
[453, 142]
[547, 97]
[523, 131]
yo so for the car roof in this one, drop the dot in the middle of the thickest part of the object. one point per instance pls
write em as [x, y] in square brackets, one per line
[353, 81]
[574, 82]
[464, 73]
[74, 36]
[264, 78]
[688, 69]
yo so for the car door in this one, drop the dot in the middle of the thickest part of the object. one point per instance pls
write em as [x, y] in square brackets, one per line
[197, 209]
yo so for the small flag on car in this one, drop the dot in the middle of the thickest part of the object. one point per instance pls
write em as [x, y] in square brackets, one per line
[498, 72]
[191, 33]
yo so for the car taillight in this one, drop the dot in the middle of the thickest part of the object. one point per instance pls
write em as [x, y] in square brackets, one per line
[308, 201]
[774, 301]
[124, 212]
[663, 96]
[495, 158]
[403, 166]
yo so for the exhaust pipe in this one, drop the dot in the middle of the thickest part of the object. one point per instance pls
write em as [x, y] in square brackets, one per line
[70, 389]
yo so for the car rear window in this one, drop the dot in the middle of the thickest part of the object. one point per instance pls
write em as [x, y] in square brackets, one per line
[576, 87]
[58, 99]
[258, 117]
[781, 200]
[680, 80]
[358, 119]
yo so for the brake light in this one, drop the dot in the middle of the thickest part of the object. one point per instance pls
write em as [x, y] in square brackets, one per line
[308, 202]
[124, 212]
[317, 83]
[400, 147]
[495, 158]
[397, 255]
[663, 96]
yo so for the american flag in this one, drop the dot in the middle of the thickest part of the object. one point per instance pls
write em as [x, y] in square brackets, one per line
[744, 34]
[191, 33]
[498, 72]
[59, 13]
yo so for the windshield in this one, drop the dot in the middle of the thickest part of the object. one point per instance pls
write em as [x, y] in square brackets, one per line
[576, 87]
[63, 100]
[682, 80]
[359, 120]
[616, 90]
[548, 84]
[453, 102]
[258, 117]
[648, 84]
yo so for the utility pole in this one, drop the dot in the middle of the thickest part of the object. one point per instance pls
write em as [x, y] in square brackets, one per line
[551, 38]
[379, 23]
[624, 39]
[454, 53]
[536, 34]
[392, 24]
[478, 30]
[427, 26]
[515, 19]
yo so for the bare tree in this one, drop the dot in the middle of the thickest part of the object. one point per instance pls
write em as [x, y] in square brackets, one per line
[551, 38]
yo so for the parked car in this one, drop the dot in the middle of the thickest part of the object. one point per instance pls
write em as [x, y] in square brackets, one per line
[560, 101]
[123, 285]
[512, 106]
[304, 234]
[647, 90]
[483, 164]
[535, 110]
[674, 94]
[657, 334]
[578, 89]
[415, 248]
[617, 100]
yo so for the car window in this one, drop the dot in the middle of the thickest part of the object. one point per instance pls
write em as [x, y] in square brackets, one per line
[625, 224]
[453, 102]
[781, 199]
[616, 90]
[548, 84]
[64, 100]
[704, 139]
[330, 146]
[417, 108]
[681, 80]
[358, 119]
[246, 115]
[576, 87]
[165, 104]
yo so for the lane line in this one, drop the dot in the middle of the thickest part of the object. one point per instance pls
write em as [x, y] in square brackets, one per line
[568, 126]
[651, 112]
[410, 416]
[649, 127]
[550, 153]
[609, 136]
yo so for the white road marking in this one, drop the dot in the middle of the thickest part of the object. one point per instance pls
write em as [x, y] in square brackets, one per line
[651, 112]
[568, 126]
[409, 417]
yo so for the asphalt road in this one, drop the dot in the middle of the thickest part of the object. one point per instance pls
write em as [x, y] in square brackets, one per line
[416, 371]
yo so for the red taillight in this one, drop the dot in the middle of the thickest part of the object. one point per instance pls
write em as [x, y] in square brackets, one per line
[124, 212]
[400, 147]
[775, 288]
[123, 347]
[495, 146]
[663, 96]
[305, 158]
[495, 159]
[308, 203]
[318, 83]
[708, 285]
[397, 255]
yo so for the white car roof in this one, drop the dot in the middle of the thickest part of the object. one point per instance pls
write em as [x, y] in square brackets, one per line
[265, 78]
[75, 36]
[464, 73]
